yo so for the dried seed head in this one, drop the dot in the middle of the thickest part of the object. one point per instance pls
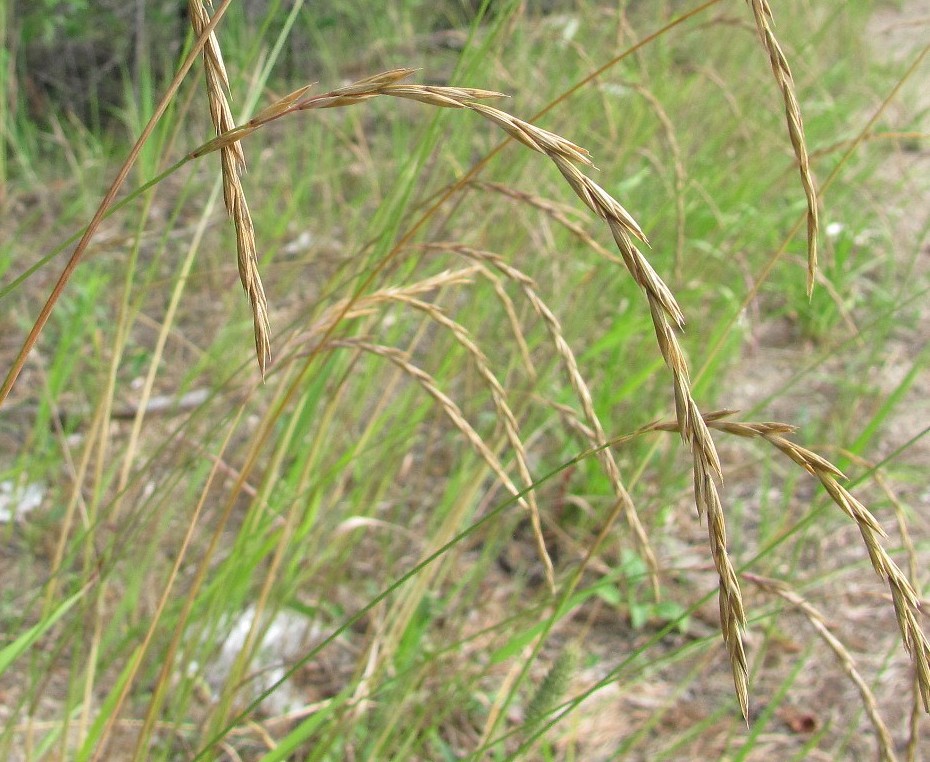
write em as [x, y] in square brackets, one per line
[232, 160]
[762, 13]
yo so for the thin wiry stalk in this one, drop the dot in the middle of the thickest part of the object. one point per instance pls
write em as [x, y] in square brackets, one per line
[515, 326]
[570, 418]
[579, 386]
[762, 13]
[555, 211]
[451, 409]
[678, 166]
[848, 664]
[233, 165]
[504, 413]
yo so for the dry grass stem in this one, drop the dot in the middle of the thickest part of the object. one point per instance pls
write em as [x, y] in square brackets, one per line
[762, 13]
[571, 420]
[504, 414]
[848, 664]
[451, 409]
[556, 211]
[678, 166]
[514, 320]
[579, 386]
[233, 165]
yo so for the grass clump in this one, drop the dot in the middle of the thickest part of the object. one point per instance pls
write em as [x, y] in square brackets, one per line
[398, 539]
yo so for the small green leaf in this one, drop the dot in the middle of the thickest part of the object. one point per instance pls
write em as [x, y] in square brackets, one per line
[18, 647]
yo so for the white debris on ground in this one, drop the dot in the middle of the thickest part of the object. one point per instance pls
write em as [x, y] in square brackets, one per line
[17, 500]
[287, 638]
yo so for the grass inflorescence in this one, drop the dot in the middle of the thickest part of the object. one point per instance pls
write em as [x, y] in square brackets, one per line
[398, 539]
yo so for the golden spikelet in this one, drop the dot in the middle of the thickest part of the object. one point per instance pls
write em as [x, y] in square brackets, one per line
[762, 13]
[233, 165]
[904, 598]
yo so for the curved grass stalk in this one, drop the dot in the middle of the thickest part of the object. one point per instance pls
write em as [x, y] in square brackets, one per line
[598, 437]
[848, 664]
[504, 414]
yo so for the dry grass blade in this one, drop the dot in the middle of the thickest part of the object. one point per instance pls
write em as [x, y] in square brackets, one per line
[885, 741]
[233, 165]
[762, 13]
[104, 208]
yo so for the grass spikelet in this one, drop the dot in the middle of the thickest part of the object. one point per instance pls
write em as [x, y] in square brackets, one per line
[729, 596]
[913, 571]
[531, 136]
[706, 463]
[597, 199]
[233, 165]
[904, 598]
[762, 13]
[553, 686]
